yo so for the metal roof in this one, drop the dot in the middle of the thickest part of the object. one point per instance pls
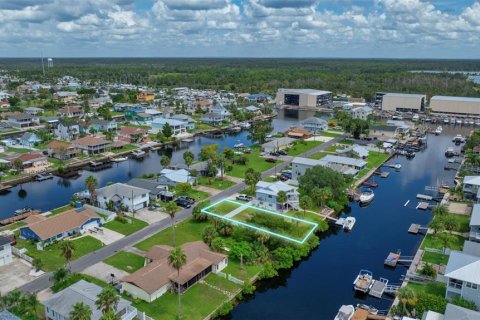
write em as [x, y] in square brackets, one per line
[404, 95]
[121, 189]
[453, 312]
[464, 267]
[344, 160]
[452, 98]
[473, 180]
[475, 218]
[303, 91]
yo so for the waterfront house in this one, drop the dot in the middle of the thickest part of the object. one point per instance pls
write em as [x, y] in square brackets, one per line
[7, 315]
[49, 229]
[102, 125]
[61, 150]
[66, 97]
[301, 165]
[29, 139]
[143, 117]
[5, 251]
[170, 177]
[123, 195]
[452, 312]
[471, 186]
[71, 112]
[30, 161]
[361, 112]
[91, 145]
[67, 130]
[472, 248]
[212, 119]
[463, 276]
[298, 133]
[145, 96]
[132, 134]
[158, 277]
[59, 305]
[356, 164]
[266, 194]
[156, 190]
[258, 97]
[358, 150]
[178, 126]
[201, 168]
[189, 122]
[475, 223]
[253, 109]
[315, 124]
[154, 113]
[33, 111]
[277, 144]
[22, 120]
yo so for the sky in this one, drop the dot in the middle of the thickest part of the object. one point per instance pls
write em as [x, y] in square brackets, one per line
[241, 28]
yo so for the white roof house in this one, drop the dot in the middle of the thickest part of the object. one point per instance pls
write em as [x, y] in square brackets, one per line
[475, 217]
[362, 152]
[277, 144]
[472, 180]
[172, 177]
[345, 161]
[273, 188]
[464, 267]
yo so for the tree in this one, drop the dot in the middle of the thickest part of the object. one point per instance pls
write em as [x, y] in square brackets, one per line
[165, 161]
[305, 203]
[92, 131]
[208, 234]
[110, 315]
[241, 251]
[167, 130]
[258, 132]
[177, 259]
[321, 177]
[91, 184]
[31, 302]
[209, 152]
[67, 250]
[221, 164]
[37, 263]
[171, 208]
[324, 195]
[451, 224]
[229, 154]
[211, 170]
[188, 157]
[218, 244]
[282, 198]
[197, 213]
[107, 300]
[59, 275]
[252, 177]
[437, 225]
[439, 210]
[407, 297]
[18, 164]
[81, 311]
[224, 228]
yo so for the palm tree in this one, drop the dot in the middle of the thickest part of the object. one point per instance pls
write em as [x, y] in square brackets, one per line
[107, 300]
[110, 315]
[171, 208]
[406, 296]
[30, 299]
[282, 198]
[91, 184]
[80, 311]
[221, 164]
[325, 195]
[188, 157]
[305, 203]
[67, 249]
[177, 259]
[164, 161]
[439, 210]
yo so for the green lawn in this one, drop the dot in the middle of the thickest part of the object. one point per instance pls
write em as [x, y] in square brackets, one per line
[126, 228]
[463, 222]
[223, 208]
[302, 146]
[18, 150]
[222, 283]
[435, 288]
[330, 134]
[192, 193]
[346, 141]
[244, 273]
[13, 226]
[215, 183]
[197, 303]
[435, 258]
[50, 256]
[186, 231]
[126, 261]
[454, 242]
[60, 210]
[254, 161]
[334, 149]
[375, 159]
[319, 155]
[127, 147]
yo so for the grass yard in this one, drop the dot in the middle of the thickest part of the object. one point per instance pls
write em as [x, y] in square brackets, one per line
[254, 161]
[302, 146]
[215, 183]
[126, 261]
[330, 134]
[125, 148]
[451, 241]
[435, 288]
[346, 141]
[223, 208]
[463, 222]
[435, 258]
[126, 228]
[60, 210]
[18, 150]
[222, 283]
[13, 226]
[197, 303]
[245, 273]
[192, 193]
[50, 256]
[186, 231]
[319, 155]
[334, 149]
[375, 159]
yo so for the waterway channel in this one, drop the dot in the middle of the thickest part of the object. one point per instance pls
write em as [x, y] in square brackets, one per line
[320, 284]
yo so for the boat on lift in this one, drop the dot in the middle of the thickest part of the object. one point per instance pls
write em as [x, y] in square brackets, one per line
[452, 121]
[138, 154]
[22, 211]
[238, 145]
[349, 223]
[449, 152]
[345, 312]
[120, 159]
[446, 121]
[458, 139]
[366, 197]
[364, 281]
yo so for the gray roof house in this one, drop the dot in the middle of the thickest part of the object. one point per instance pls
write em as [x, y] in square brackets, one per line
[59, 305]
[315, 124]
[463, 276]
[189, 122]
[170, 177]
[475, 223]
[277, 144]
[471, 186]
[357, 164]
[301, 165]
[156, 189]
[29, 139]
[266, 195]
[452, 312]
[360, 151]
[7, 315]
[121, 194]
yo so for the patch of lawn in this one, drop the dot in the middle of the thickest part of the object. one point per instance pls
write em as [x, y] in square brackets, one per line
[18, 150]
[300, 147]
[334, 149]
[270, 179]
[223, 208]
[254, 161]
[125, 148]
[13, 226]
[50, 255]
[330, 134]
[60, 210]
[463, 222]
[126, 261]
[435, 258]
[192, 193]
[435, 288]
[318, 155]
[346, 141]
[215, 183]
[375, 159]
[245, 273]
[186, 231]
[126, 228]
[450, 241]
[222, 283]
[197, 303]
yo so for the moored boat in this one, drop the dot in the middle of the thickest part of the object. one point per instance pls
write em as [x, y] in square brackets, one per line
[366, 197]
[370, 183]
[349, 223]
[438, 131]
[345, 312]
[138, 154]
[119, 159]
[449, 152]
[364, 281]
[22, 211]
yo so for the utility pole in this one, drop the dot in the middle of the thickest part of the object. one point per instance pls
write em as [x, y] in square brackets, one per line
[43, 66]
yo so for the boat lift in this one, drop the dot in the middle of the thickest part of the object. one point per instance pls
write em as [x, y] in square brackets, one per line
[395, 258]
[416, 229]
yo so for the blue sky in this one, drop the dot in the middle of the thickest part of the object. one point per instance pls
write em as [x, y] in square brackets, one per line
[241, 28]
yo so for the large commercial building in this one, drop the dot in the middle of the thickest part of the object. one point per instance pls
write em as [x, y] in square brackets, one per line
[455, 105]
[404, 102]
[309, 98]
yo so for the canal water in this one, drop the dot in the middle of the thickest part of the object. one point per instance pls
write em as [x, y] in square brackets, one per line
[320, 284]
[50, 194]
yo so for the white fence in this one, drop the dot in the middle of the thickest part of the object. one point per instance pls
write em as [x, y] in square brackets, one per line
[109, 215]
[142, 316]
[235, 280]
[21, 254]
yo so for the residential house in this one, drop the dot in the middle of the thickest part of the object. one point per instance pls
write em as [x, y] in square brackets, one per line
[471, 186]
[154, 113]
[71, 112]
[66, 97]
[22, 120]
[266, 194]
[33, 111]
[358, 150]
[278, 144]
[259, 97]
[253, 109]
[301, 165]
[145, 96]
[29, 139]
[189, 122]
[201, 168]
[5, 251]
[143, 117]
[216, 115]
[91, 145]
[298, 133]
[67, 130]
[463, 276]
[315, 124]
[123, 195]
[49, 229]
[178, 127]
[7, 315]
[98, 102]
[452, 312]
[132, 111]
[475, 223]
[156, 190]
[132, 134]
[59, 305]
[102, 125]
[5, 95]
[352, 163]
[169, 177]
[158, 277]
[30, 161]
[61, 150]
[361, 113]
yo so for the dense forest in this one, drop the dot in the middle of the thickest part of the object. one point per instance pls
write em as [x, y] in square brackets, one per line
[356, 77]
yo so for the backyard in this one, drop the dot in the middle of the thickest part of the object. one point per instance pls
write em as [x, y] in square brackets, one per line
[300, 147]
[255, 161]
[126, 228]
[375, 159]
[215, 183]
[126, 261]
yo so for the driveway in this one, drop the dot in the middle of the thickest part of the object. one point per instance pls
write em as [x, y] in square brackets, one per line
[14, 275]
[106, 235]
[150, 216]
[103, 272]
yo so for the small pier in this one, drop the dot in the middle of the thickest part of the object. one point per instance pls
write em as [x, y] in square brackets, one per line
[378, 288]
[362, 314]
[416, 229]
[382, 174]
[423, 206]
[4, 187]
[16, 218]
[395, 258]
[424, 197]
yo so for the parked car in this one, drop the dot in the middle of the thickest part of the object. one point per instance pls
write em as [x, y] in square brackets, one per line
[272, 160]
[247, 150]
[244, 197]
[282, 177]
[183, 203]
[282, 153]
[275, 154]
[189, 199]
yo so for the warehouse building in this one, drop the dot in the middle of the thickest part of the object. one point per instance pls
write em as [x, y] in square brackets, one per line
[455, 105]
[304, 98]
[404, 102]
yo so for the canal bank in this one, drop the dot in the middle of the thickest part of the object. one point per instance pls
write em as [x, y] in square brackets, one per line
[320, 284]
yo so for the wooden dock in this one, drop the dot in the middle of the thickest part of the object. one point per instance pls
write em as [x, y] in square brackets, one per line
[422, 206]
[392, 259]
[416, 228]
[19, 217]
[378, 288]
[4, 187]
[424, 197]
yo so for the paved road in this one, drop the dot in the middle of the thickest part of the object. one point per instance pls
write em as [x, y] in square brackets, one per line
[88, 260]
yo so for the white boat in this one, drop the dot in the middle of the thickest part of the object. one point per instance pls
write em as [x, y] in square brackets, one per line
[477, 123]
[439, 130]
[471, 122]
[449, 152]
[370, 309]
[397, 166]
[138, 154]
[22, 211]
[458, 139]
[349, 223]
[345, 312]
[446, 120]
[238, 145]
[119, 159]
[364, 281]
[245, 125]
[415, 117]
[367, 196]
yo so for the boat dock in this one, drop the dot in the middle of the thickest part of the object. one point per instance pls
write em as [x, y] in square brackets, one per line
[16, 218]
[416, 228]
[395, 258]
[362, 314]
[422, 206]
[382, 174]
[378, 288]
[424, 197]
[4, 187]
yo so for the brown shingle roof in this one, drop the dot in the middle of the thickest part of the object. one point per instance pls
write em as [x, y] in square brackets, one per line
[90, 141]
[56, 144]
[34, 218]
[132, 131]
[159, 273]
[68, 220]
[30, 156]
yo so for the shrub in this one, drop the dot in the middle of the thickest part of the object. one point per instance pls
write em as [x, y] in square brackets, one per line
[121, 219]
[426, 301]
[268, 271]
[225, 309]
[248, 288]
[459, 301]
[428, 270]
